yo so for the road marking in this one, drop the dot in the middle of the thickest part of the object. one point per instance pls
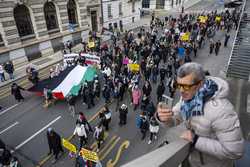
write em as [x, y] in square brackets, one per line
[43, 161]
[122, 147]
[9, 127]
[38, 132]
[107, 145]
[4, 111]
[94, 145]
[109, 149]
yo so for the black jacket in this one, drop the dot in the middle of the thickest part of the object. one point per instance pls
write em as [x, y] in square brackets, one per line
[123, 113]
[147, 90]
[160, 89]
[9, 68]
[72, 100]
[16, 91]
[54, 142]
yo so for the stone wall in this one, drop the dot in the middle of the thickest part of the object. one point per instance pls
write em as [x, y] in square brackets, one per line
[127, 15]
[41, 43]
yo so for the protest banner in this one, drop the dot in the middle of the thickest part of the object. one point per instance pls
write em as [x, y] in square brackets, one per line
[134, 67]
[69, 146]
[91, 44]
[217, 18]
[185, 37]
[89, 155]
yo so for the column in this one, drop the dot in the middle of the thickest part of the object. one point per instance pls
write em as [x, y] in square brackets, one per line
[62, 15]
[167, 5]
[152, 4]
[83, 13]
[39, 22]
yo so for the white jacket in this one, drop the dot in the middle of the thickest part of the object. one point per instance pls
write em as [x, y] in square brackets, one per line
[1, 69]
[220, 138]
[80, 131]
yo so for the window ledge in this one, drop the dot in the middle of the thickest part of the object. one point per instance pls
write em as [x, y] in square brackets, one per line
[27, 43]
[54, 31]
[26, 37]
[2, 44]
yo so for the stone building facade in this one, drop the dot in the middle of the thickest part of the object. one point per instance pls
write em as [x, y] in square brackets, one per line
[30, 29]
[161, 4]
[117, 13]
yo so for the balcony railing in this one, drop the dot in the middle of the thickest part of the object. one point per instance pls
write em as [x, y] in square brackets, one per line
[171, 155]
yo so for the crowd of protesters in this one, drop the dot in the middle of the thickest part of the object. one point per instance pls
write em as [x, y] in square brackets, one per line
[8, 67]
[159, 50]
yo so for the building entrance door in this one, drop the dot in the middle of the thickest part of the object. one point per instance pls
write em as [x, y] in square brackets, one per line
[160, 4]
[93, 15]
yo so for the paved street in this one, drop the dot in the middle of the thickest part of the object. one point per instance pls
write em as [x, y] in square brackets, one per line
[23, 125]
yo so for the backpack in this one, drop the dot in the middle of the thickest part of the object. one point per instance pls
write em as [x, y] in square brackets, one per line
[138, 122]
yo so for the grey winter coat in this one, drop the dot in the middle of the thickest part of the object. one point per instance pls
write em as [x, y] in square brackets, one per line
[220, 139]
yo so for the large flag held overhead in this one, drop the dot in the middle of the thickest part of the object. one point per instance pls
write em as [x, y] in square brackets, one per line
[67, 83]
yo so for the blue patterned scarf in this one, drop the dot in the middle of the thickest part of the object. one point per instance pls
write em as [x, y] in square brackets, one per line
[194, 107]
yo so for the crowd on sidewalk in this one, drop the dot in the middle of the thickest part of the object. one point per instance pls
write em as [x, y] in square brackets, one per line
[159, 51]
[8, 68]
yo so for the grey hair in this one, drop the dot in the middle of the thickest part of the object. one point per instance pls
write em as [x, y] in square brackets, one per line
[189, 68]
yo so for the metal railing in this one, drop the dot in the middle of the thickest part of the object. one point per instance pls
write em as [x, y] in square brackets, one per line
[171, 155]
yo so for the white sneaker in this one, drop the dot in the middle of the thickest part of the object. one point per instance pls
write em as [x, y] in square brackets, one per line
[97, 150]
[155, 137]
[149, 142]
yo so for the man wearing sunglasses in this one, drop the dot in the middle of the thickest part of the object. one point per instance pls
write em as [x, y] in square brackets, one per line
[212, 126]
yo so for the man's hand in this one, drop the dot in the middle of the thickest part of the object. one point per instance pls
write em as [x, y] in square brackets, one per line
[187, 135]
[164, 114]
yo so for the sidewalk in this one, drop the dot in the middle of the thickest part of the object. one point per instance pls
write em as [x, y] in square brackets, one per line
[39, 64]
[43, 62]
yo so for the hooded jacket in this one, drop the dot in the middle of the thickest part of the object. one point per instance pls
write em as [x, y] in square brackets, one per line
[80, 131]
[220, 139]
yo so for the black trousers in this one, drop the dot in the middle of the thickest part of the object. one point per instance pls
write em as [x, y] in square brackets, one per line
[152, 134]
[57, 151]
[143, 131]
[82, 139]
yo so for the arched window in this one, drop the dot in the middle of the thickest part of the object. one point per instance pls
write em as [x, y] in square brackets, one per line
[50, 16]
[23, 21]
[72, 13]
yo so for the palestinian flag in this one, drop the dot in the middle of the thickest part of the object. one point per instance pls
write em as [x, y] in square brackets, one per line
[67, 83]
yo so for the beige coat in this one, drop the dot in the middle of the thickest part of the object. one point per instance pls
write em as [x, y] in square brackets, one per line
[220, 139]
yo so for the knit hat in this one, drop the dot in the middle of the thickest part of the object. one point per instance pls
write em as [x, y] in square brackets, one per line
[123, 106]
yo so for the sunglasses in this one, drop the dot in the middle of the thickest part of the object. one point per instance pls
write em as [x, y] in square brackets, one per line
[187, 87]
